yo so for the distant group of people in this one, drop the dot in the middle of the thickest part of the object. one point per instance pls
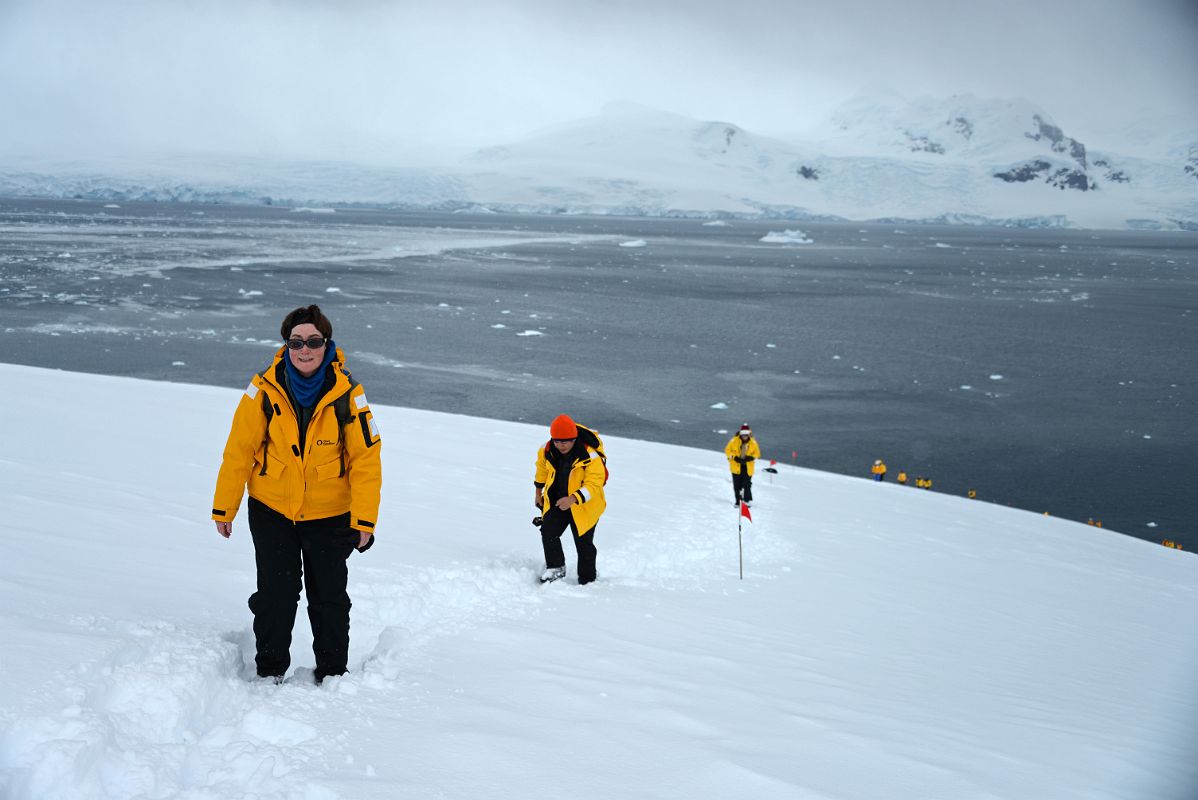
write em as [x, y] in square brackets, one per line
[878, 470]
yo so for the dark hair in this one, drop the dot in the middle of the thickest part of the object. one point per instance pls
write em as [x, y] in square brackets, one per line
[304, 315]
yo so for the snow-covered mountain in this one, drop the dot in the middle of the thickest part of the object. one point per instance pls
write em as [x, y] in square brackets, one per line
[956, 159]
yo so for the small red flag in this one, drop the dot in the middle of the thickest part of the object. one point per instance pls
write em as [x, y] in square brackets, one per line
[744, 512]
[773, 461]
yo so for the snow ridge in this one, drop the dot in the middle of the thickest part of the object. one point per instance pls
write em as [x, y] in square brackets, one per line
[881, 637]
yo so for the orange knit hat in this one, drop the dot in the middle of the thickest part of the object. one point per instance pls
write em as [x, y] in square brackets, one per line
[563, 428]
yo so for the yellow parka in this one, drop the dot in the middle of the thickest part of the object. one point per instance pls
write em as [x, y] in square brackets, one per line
[338, 471]
[747, 449]
[588, 475]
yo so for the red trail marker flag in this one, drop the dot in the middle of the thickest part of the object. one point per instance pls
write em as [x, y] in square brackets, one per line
[740, 541]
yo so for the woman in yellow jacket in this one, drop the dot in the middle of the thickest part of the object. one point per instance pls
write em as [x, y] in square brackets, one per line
[570, 475]
[304, 441]
[742, 451]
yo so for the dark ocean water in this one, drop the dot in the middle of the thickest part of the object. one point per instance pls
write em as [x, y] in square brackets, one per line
[1050, 370]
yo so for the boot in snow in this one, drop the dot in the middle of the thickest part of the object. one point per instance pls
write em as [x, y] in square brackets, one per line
[552, 574]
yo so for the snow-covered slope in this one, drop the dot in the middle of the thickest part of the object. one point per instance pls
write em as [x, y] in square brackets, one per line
[884, 643]
[960, 159]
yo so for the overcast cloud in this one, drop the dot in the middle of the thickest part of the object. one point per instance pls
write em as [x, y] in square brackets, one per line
[364, 79]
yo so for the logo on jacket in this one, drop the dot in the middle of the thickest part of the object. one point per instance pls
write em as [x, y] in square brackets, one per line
[325, 441]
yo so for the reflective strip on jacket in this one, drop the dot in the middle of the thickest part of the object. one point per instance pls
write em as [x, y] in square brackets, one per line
[324, 481]
[736, 448]
[587, 476]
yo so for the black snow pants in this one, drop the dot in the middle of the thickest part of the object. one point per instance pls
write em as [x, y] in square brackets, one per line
[552, 526]
[742, 485]
[316, 551]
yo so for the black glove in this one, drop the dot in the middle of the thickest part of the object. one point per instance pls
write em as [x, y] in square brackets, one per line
[349, 537]
[739, 459]
[747, 459]
[536, 521]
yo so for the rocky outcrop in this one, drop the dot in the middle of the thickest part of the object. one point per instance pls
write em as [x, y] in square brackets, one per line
[1040, 170]
[922, 144]
[1059, 141]
[1110, 173]
[1031, 171]
[962, 126]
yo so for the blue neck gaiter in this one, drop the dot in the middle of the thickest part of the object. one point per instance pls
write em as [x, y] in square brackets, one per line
[307, 391]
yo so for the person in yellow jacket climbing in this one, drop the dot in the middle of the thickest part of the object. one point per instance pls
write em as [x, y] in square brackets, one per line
[879, 470]
[305, 442]
[570, 475]
[742, 452]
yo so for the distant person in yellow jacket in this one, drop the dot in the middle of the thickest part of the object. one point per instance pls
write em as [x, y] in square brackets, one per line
[879, 470]
[902, 477]
[742, 451]
[305, 442]
[570, 475]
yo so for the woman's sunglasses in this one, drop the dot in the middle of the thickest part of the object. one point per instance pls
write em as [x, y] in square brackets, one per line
[313, 342]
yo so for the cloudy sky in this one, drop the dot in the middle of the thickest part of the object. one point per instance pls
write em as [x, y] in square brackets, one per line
[372, 78]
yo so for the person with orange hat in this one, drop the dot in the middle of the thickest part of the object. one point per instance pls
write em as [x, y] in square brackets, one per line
[742, 451]
[570, 476]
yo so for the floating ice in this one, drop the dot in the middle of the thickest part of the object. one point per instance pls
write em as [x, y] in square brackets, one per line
[498, 325]
[633, 243]
[250, 293]
[531, 333]
[716, 223]
[331, 290]
[996, 377]
[786, 237]
[719, 405]
[942, 244]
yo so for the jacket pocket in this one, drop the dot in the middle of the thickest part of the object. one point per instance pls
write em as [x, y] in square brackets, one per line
[330, 470]
[273, 467]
